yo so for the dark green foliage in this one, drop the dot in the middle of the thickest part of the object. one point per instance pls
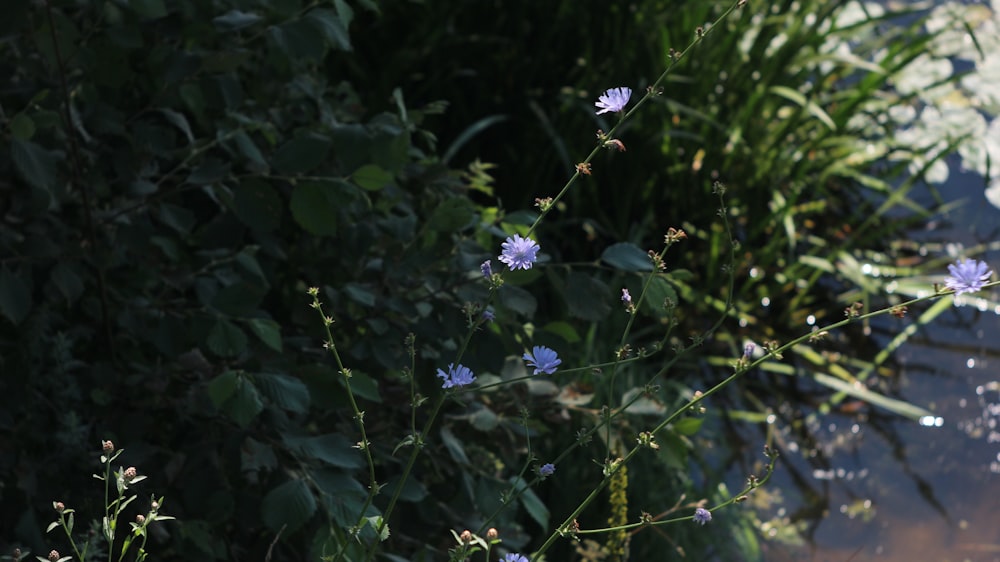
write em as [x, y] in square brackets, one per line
[160, 229]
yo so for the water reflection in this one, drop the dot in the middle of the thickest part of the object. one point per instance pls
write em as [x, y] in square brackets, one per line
[891, 490]
[856, 483]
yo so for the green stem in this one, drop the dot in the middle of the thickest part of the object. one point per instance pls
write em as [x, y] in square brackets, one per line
[651, 91]
[565, 527]
[109, 533]
[359, 417]
[72, 543]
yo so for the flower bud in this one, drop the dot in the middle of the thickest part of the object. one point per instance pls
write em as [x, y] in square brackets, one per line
[108, 447]
[129, 474]
[60, 507]
[54, 555]
[492, 534]
[140, 519]
[466, 536]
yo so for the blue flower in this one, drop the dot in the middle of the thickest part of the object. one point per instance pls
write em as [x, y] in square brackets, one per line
[613, 100]
[967, 276]
[547, 469]
[456, 376]
[702, 516]
[519, 252]
[626, 298]
[543, 359]
[514, 557]
[488, 315]
[748, 351]
[487, 269]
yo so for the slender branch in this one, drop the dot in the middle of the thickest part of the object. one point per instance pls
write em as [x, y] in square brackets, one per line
[77, 180]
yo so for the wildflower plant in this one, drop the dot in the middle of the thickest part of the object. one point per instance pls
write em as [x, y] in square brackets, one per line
[459, 365]
[118, 539]
[655, 288]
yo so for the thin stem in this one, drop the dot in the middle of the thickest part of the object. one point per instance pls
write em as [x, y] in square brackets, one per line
[359, 415]
[74, 154]
[650, 92]
[417, 446]
[108, 532]
[566, 525]
[72, 543]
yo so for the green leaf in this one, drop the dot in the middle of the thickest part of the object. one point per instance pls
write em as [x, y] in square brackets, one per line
[467, 135]
[226, 339]
[15, 297]
[455, 448]
[586, 297]
[344, 12]
[180, 121]
[245, 404]
[35, 165]
[658, 291]
[377, 521]
[518, 300]
[222, 387]
[257, 205]
[343, 497]
[451, 215]
[239, 299]
[148, 9]
[235, 19]
[288, 393]
[371, 178]
[22, 127]
[360, 294]
[248, 262]
[326, 391]
[315, 205]
[643, 405]
[484, 419]
[289, 506]
[176, 217]
[333, 449]
[249, 150]
[363, 386]
[209, 171]
[352, 143]
[627, 257]
[234, 394]
[268, 331]
[301, 154]
[412, 491]
[862, 392]
[809, 105]
[299, 39]
[255, 456]
[688, 426]
[531, 502]
[332, 28]
[563, 329]
[390, 148]
[65, 278]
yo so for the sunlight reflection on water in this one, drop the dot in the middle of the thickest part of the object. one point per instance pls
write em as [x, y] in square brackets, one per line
[893, 490]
